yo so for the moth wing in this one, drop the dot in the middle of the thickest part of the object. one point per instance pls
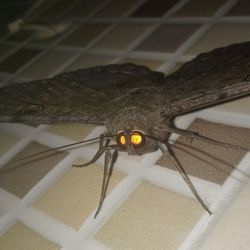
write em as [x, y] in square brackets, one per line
[211, 78]
[82, 96]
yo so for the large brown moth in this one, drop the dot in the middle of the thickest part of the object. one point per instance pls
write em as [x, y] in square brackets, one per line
[138, 106]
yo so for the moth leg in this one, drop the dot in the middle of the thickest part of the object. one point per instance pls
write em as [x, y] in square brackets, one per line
[184, 175]
[107, 173]
[210, 163]
[96, 156]
[195, 135]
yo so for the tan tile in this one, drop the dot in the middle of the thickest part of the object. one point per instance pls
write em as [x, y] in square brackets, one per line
[221, 35]
[196, 8]
[82, 9]
[16, 60]
[20, 237]
[75, 132]
[121, 37]
[240, 106]
[7, 141]
[168, 37]
[20, 176]
[241, 8]
[21, 35]
[115, 8]
[151, 218]
[153, 8]
[76, 195]
[5, 48]
[83, 35]
[46, 65]
[220, 161]
[56, 9]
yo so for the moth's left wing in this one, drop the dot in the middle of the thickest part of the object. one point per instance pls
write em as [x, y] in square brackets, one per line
[82, 96]
[211, 78]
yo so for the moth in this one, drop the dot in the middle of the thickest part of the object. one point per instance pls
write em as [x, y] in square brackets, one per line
[138, 106]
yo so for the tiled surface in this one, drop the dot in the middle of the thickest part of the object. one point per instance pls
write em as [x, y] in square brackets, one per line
[224, 236]
[20, 237]
[139, 224]
[141, 205]
[242, 8]
[207, 160]
[18, 59]
[115, 9]
[5, 48]
[55, 10]
[7, 141]
[18, 177]
[82, 188]
[46, 65]
[196, 8]
[168, 37]
[153, 8]
[82, 9]
[227, 33]
[75, 132]
[237, 106]
[20, 36]
[83, 35]
[121, 36]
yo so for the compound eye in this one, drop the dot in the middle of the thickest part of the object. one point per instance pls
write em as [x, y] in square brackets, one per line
[137, 138]
[121, 139]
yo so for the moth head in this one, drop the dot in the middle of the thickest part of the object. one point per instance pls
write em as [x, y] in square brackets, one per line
[135, 142]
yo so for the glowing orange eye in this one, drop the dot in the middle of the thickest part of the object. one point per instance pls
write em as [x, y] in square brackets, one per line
[136, 139]
[122, 140]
